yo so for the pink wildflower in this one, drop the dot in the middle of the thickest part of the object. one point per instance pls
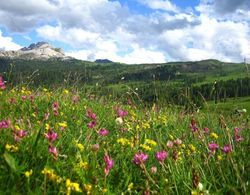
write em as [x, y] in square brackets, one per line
[170, 144]
[91, 124]
[206, 130]
[91, 114]
[121, 113]
[161, 155]
[4, 124]
[193, 126]
[153, 170]
[55, 106]
[178, 142]
[2, 85]
[108, 164]
[213, 147]
[227, 149]
[103, 132]
[51, 136]
[140, 158]
[53, 151]
[19, 134]
[238, 138]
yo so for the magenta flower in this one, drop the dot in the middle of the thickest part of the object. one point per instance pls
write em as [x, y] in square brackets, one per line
[53, 151]
[103, 132]
[140, 158]
[2, 84]
[91, 124]
[161, 155]
[227, 149]
[24, 97]
[121, 113]
[213, 147]
[4, 124]
[91, 114]
[108, 164]
[55, 106]
[51, 136]
[19, 134]
[238, 138]
[206, 130]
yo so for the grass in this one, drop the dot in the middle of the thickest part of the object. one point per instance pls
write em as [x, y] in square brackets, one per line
[51, 144]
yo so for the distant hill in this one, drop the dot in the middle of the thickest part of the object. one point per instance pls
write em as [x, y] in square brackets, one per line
[103, 61]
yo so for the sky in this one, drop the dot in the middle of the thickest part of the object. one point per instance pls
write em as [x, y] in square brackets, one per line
[131, 31]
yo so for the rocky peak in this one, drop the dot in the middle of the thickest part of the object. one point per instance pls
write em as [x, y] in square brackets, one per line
[40, 51]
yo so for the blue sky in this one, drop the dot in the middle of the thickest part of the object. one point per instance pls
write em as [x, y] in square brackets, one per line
[131, 31]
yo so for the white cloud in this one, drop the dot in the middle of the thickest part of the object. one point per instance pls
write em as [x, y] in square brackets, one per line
[6, 43]
[160, 4]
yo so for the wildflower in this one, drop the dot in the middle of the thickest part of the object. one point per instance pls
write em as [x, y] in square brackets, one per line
[4, 124]
[170, 144]
[91, 124]
[63, 125]
[119, 121]
[24, 97]
[108, 164]
[151, 142]
[121, 113]
[122, 141]
[88, 188]
[11, 148]
[214, 135]
[103, 132]
[238, 138]
[213, 147]
[140, 158]
[80, 146]
[95, 147]
[51, 136]
[153, 170]
[219, 157]
[161, 155]
[2, 84]
[178, 142]
[66, 91]
[146, 147]
[53, 151]
[75, 99]
[84, 165]
[18, 135]
[28, 173]
[227, 149]
[55, 106]
[49, 173]
[72, 186]
[130, 186]
[193, 126]
[91, 114]
[192, 148]
[206, 130]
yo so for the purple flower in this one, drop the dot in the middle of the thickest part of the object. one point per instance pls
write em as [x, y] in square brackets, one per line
[227, 149]
[238, 138]
[2, 85]
[140, 158]
[161, 155]
[121, 113]
[51, 136]
[103, 132]
[91, 114]
[4, 124]
[53, 151]
[19, 134]
[91, 124]
[213, 147]
[108, 164]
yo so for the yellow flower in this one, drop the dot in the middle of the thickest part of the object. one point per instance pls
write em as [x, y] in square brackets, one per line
[219, 157]
[88, 188]
[47, 126]
[150, 142]
[146, 147]
[130, 186]
[49, 173]
[66, 91]
[192, 148]
[17, 127]
[28, 173]
[123, 141]
[80, 146]
[11, 148]
[84, 165]
[72, 186]
[45, 90]
[63, 124]
[171, 137]
[104, 190]
[214, 135]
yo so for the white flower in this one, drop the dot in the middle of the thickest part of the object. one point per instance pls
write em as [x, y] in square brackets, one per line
[119, 121]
